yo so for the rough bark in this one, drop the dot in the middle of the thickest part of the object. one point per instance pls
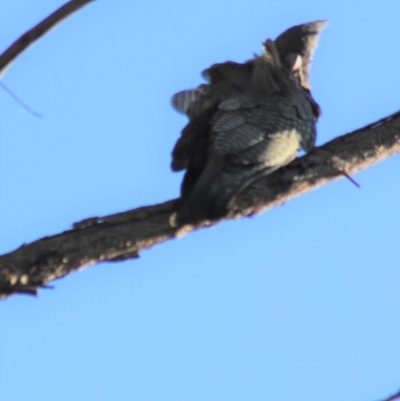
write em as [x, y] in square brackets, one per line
[123, 235]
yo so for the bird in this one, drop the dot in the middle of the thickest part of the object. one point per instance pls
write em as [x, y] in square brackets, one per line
[247, 121]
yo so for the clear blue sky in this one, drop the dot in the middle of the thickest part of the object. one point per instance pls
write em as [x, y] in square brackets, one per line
[300, 303]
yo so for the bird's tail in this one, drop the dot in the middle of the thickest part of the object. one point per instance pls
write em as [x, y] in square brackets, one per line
[213, 194]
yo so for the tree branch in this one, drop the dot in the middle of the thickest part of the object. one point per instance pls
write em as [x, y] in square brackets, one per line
[22, 43]
[122, 236]
[393, 397]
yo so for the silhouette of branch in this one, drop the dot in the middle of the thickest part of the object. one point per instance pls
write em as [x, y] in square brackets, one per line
[22, 43]
[394, 397]
[122, 236]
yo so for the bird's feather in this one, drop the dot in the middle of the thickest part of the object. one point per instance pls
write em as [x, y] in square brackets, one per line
[247, 121]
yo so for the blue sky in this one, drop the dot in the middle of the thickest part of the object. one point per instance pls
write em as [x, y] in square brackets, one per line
[300, 303]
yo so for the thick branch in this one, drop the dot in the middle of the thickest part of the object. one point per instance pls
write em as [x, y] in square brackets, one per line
[124, 235]
[10, 54]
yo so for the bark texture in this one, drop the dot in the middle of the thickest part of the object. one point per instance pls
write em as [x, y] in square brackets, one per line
[122, 236]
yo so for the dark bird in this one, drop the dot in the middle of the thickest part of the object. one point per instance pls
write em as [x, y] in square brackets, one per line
[249, 120]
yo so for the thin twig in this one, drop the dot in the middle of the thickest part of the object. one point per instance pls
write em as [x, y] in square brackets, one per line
[19, 101]
[352, 180]
[10, 54]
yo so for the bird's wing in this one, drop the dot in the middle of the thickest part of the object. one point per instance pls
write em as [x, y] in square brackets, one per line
[265, 133]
